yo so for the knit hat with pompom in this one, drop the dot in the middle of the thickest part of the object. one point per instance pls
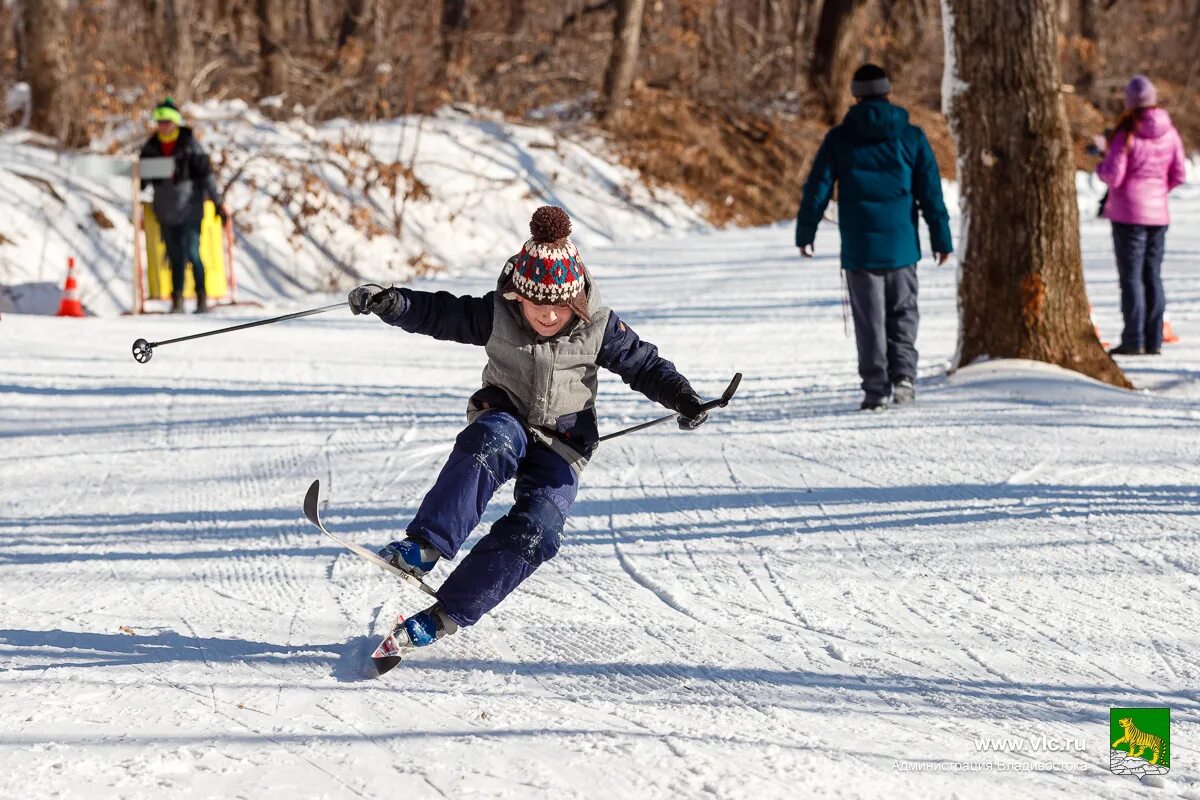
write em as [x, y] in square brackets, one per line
[548, 270]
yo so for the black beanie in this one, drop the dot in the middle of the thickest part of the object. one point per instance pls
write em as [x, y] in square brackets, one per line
[870, 81]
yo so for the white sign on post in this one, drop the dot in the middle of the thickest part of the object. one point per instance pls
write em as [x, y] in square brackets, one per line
[96, 166]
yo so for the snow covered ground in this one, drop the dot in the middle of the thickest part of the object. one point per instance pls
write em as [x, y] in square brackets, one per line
[799, 600]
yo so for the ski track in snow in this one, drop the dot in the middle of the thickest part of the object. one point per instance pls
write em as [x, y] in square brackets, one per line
[788, 602]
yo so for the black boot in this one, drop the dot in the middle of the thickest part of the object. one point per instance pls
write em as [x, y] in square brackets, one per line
[177, 302]
[871, 403]
[903, 391]
[201, 302]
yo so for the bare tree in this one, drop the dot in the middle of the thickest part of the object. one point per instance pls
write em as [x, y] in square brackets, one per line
[271, 37]
[1193, 46]
[314, 21]
[622, 61]
[354, 14]
[833, 56]
[515, 19]
[453, 27]
[1021, 291]
[44, 62]
[799, 26]
[1089, 46]
[180, 55]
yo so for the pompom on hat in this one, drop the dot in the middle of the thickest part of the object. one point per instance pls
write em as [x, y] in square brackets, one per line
[548, 271]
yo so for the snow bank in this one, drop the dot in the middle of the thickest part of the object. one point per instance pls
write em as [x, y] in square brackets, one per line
[1023, 381]
[320, 208]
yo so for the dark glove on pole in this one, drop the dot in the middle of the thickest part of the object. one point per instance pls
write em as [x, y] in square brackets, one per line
[371, 298]
[691, 412]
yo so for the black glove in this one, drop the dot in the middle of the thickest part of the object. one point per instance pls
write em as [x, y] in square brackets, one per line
[372, 298]
[691, 416]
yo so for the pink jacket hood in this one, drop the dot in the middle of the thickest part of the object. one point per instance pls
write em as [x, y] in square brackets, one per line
[1141, 172]
[1154, 124]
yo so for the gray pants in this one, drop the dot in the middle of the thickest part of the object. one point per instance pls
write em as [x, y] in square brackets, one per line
[884, 303]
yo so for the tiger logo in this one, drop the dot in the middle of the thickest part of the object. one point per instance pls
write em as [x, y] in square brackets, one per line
[1138, 741]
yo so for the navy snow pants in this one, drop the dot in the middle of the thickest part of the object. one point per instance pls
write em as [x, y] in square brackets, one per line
[488, 452]
[1139, 250]
[884, 305]
[183, 246]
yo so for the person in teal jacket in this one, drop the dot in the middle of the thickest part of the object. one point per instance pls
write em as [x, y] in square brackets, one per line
[886, 175]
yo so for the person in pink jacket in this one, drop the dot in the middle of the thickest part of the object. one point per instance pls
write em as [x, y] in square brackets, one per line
[1143, 163]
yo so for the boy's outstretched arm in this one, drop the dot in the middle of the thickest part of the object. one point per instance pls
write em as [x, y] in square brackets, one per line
[438, 314]
[639, 365]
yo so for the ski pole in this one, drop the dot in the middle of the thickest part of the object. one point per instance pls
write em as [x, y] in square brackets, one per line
[720, 402]
[143, 351]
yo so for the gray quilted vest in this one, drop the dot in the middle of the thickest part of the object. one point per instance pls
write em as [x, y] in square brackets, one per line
[545, 378]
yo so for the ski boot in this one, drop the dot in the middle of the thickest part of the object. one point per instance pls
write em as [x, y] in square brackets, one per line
[420, 630]
[409, 555]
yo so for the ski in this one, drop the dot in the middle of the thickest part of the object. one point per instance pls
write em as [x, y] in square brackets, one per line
[387, 654]
[312, 502]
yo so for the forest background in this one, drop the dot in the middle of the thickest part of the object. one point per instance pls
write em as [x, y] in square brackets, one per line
[723, 101]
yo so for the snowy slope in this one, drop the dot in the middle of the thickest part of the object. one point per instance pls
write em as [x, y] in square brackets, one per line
[798, 600]
[325, 207]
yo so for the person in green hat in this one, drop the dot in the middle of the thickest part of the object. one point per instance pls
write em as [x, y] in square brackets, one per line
[179, 200]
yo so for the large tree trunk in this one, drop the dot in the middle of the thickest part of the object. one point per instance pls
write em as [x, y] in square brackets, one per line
[1021, 291]
[622, 61]
[180, 55]
[271, 36]
[44, 56]
[833, 59]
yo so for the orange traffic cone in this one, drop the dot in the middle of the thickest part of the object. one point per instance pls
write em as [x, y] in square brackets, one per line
[70, 306]
[1169, 336]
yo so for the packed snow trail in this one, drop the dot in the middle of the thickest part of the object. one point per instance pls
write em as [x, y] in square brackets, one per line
[797, 600]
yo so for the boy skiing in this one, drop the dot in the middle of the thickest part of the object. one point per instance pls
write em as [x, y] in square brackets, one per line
[546, 334]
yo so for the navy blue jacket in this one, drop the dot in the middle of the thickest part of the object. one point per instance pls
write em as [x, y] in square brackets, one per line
[885, 172]
[469, 320]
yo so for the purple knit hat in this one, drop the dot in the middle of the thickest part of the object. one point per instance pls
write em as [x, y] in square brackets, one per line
[1140, 93]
